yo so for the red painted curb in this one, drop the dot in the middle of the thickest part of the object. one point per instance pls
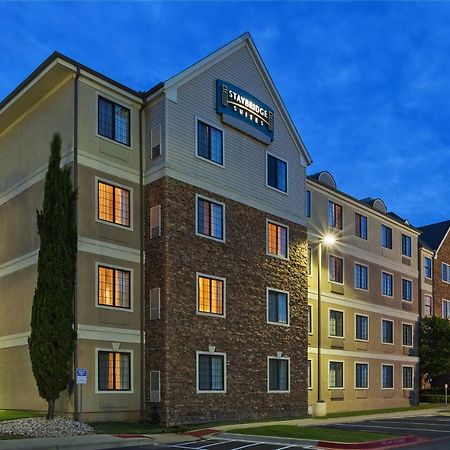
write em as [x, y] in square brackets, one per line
[372, 444]
[202, 432]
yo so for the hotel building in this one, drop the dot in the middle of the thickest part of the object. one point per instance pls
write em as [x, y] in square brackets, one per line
[191, 299]
[364, 342]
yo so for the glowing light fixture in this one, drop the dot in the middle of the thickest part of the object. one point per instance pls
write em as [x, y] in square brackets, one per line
[329, 240]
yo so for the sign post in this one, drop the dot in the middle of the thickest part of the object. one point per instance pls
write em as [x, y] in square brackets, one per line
[81, 378]
[446, 388]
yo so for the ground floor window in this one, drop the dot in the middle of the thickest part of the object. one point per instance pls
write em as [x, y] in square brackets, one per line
[336, 374]
[211, 372]
[361, 375]
[407, 372]
[114, 371]
[309, 374]
[387, 375]
[278, 375]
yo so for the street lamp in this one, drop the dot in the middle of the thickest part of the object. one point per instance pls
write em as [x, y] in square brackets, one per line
[320, 408]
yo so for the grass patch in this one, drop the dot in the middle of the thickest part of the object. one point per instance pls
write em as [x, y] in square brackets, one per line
[11, 414]
[5, 437]
[134, 428]
[314, 433]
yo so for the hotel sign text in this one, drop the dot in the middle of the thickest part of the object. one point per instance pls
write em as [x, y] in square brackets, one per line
[244, 111]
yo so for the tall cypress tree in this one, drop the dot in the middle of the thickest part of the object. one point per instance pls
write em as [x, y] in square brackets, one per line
[52, 339]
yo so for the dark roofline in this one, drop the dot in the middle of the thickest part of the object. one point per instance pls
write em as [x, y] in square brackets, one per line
[310, 177]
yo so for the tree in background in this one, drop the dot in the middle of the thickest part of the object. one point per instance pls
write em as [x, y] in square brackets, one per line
[52, 339]
[434, 346]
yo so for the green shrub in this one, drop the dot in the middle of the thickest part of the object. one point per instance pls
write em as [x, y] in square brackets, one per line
[432, 398]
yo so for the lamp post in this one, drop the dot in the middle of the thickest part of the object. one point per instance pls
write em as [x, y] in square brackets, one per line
[320, 408]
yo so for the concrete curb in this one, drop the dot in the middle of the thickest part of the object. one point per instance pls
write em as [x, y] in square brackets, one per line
[382, 443]
[266, 439]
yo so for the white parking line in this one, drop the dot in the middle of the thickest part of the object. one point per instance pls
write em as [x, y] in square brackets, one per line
[246, 446]
[287, 446]
[212, 445]
[392, 428]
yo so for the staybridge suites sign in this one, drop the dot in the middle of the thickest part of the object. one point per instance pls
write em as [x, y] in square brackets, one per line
[244, 111]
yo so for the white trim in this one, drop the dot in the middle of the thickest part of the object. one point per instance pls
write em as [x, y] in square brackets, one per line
[412, 379]
[343, 323]
[381, 334]
[343, 269]
[368, 376]
[104, 248]
[199, 196]
[343, 375]
[98, 333]
[310, 307]
[267, 174]
[224, 355]
[412, 291]
[354, 275]
[212, 277]
[14, 340]
[442, 241]
[14, 265]
[392, 284]
[110, 350]
[285, 358]
[217, 127]
[268, 289]
[99, 264]
[273, 222]
[363, 354]
[98, 180]
[368, 327]
[412, 335]
[393, 377]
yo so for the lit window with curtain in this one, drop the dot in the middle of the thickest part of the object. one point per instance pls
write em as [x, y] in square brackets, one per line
[336, 328]
[277, 240]
[210, 295]
[210, 219]
[209, 143]
[276, 173]
[113, 121]
[211, 372]
[361, 226]
[335, 215]
[113, 204]
[336, 375]
[113, 287]
[335, 269]
[114, 371]
[278, 374]
[277, 304]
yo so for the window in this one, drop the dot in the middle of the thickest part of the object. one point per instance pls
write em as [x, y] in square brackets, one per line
[210, 372]
[427, 267]
[114, 371]
[155, 221]
[407, 335]
[387, 284]
[361, 327]
[386, 237]
[446, 309]
[336, 375]
[336, 269]
[335, 215]
[210, 219]
[113, 121]
[155, 386]
[308, 203]
[155, 304]
[309, 374]
[277, 307]
[277, 240]
[360, 226]
[387, 376]
[309, 260]
[446, 272]
[210, 295]
[361, 276]
[336, 323]
[113, 204]
[276, 173]
[155, 142]
[361, 376]
[427, 305]
[278, 375]
[407, 377]
[406, 245]
[310, 324]
[114, 287]
[406, 290]
[209, 143]
[387, 331]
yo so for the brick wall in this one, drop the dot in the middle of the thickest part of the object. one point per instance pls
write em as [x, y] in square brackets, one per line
[171, 342]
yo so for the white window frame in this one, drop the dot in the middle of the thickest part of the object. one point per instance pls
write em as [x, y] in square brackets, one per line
[412, 378]
[217, 127]
[288, 359]
[411, 246]
[354, 226]
[310, 308]
[343, 269]
[343, 323]
[393, 377]
[273, 222]
[431, 304]
[448, 308]
[381, 237]
[343, 374]
[224, 390]
[393, 286]
[287, 174]
[214, 277]
[448, 272]
[96, 211]
[330, 200]
[267, 307]
[111, 350]
[354, 273]
[368, 376]
[368, 327]
[159, 221]
[393, 331]
[412, 290]
[160, 142]
[412, 335]
[202, 197]
[424, 267]
[111, 266]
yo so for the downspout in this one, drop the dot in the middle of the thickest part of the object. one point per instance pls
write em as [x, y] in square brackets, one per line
[75, 186]
[418, 385]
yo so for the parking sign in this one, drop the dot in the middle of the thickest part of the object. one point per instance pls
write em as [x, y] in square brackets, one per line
[81, 375]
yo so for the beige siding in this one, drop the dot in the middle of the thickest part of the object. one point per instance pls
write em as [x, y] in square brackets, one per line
[154, 116]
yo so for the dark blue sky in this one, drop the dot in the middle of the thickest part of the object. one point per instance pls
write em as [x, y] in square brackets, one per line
[367, 84]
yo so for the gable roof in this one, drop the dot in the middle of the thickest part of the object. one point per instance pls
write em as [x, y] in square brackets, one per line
[434, 234]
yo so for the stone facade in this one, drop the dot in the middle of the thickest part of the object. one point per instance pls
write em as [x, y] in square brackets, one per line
[172, 261]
